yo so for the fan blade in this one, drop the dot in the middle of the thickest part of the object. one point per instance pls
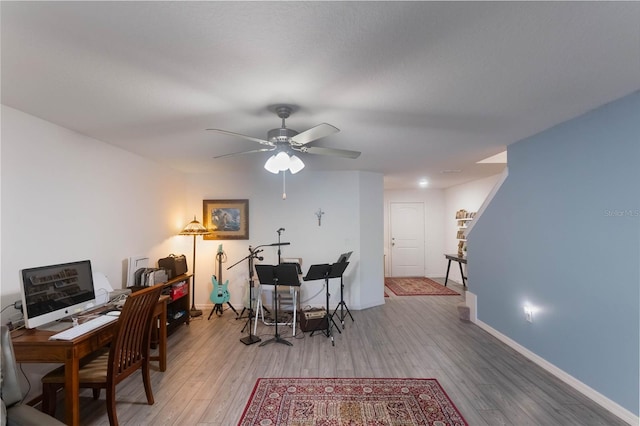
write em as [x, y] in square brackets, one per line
[260, 141]
[245, 152]
[330, 151]
[314, 133]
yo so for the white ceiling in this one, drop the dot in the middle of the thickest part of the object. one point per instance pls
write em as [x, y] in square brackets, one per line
[418, 87]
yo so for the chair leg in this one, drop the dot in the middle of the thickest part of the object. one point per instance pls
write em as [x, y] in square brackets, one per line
[96, 393]
[111, 406]
[146, 378]
[49, 400]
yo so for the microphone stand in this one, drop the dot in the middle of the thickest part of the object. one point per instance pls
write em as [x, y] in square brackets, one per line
[253, 254]
[279, 231]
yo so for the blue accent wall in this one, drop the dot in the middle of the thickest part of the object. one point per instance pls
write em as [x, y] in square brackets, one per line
[563, 234]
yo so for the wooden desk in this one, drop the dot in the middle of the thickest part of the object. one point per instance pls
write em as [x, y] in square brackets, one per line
[34, 346]
[460, 260]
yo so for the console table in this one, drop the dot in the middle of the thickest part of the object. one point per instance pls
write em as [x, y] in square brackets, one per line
[460, 260]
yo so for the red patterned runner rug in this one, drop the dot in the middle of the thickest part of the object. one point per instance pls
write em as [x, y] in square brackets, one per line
[417, 286]
[342, 402]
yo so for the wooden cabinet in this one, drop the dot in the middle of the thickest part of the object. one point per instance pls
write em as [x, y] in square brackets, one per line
[179, 291]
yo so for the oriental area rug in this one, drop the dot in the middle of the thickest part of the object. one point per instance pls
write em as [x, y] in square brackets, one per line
[348, 401]
[417, 286]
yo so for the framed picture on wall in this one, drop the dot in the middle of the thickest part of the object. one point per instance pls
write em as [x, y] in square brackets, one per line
[226, 219]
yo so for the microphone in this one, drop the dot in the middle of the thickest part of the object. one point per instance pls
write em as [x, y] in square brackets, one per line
[280, 230]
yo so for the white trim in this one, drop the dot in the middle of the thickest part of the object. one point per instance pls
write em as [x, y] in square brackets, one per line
[589, 392]
[471, 300]
[361, 307]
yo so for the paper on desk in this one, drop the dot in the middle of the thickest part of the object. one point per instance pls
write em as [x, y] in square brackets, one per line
[102, 287]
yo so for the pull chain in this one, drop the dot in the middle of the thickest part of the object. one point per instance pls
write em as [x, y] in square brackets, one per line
[284, 192]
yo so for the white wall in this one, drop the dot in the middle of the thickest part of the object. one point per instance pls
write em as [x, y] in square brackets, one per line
[468, 196]
[67, 197]
[370, 288]
[343, 196]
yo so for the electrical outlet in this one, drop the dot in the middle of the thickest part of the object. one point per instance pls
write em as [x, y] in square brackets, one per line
[528, 315]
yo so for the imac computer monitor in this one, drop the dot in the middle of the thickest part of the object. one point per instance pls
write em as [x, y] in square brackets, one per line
[50, 293]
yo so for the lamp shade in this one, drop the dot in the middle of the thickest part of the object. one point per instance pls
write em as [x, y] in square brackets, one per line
[270, 165]
[295, 164]
[282, 161]
[194, 228]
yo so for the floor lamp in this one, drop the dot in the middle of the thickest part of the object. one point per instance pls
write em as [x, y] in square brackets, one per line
[194, 228]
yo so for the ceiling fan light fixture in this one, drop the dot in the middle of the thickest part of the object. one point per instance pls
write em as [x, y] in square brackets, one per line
[271, 165]
[295, 164]
[281, 161]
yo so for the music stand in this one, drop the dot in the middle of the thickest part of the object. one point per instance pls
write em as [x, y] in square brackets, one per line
[344, 257]
[270, 275]
[326, 271]
[342, 305]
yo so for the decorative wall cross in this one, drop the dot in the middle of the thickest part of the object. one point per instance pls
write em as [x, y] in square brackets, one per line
[319, 214]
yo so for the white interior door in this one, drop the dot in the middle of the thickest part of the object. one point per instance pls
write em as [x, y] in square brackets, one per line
[407, 239]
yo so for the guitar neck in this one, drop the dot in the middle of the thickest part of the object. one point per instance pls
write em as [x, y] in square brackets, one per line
[219, 256]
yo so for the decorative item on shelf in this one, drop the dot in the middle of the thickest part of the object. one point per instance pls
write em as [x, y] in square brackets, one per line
[175, 265]
[194, 228]
[463, 217]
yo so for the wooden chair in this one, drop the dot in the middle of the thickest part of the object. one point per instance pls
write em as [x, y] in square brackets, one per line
[128, 352]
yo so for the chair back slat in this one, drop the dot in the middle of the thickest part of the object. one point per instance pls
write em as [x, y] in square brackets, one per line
[131, 344]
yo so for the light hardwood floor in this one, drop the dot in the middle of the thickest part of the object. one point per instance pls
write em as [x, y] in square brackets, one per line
[211, 374]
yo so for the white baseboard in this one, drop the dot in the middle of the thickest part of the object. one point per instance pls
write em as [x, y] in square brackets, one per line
[589, 392]
[363, 306]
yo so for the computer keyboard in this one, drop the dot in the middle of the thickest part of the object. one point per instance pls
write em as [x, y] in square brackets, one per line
[85, 327]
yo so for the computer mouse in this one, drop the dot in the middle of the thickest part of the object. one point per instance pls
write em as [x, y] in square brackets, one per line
[113, 313]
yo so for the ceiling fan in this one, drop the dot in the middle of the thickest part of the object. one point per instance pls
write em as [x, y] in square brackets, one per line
[286, 140]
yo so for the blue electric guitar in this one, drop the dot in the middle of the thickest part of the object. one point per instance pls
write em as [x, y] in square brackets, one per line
[219, 293]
